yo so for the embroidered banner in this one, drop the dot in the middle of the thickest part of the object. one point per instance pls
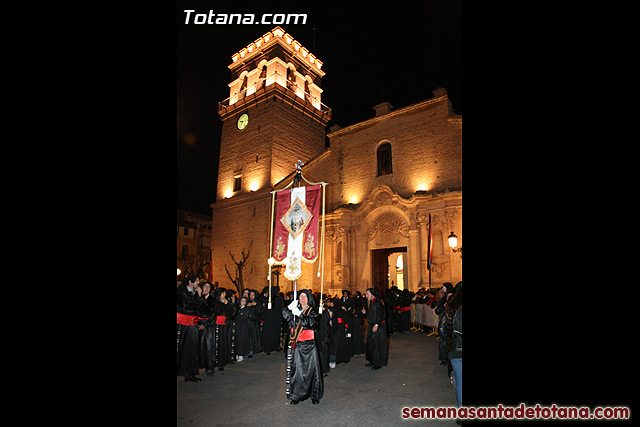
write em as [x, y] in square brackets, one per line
[295, 220]
[281, 234]
[295, 235]
[310, 242]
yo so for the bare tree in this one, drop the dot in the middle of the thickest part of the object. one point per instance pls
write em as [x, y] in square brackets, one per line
[238, 281]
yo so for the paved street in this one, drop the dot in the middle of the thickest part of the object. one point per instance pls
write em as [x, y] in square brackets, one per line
[252, 393]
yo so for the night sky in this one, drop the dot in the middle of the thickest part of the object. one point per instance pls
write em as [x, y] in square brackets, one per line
[397, 52]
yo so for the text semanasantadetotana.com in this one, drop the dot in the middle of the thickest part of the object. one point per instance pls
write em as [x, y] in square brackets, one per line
[522, 412]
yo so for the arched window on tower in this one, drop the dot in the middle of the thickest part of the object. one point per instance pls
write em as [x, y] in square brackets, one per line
[243, 88]
[263, 76]
[289, 78]
[385, 165]
[307, 92]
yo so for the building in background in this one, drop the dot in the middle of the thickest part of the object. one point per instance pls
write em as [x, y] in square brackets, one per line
[386, 175]
[193, 235]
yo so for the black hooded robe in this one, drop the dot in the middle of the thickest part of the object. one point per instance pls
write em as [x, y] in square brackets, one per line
[404, 323]
[339, 323]
[356, 332]
[255, 314]
[304, 375]
[207, 337]
[324, 341]
[188, 307]
[377, 350]
[272, 320]
[242, 332]
[220, 327]
[390, 311]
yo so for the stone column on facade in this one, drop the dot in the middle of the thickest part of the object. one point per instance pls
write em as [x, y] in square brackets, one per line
[363, 262]
[423, 235]
[347, 259]
[413, 252]
[330, 256]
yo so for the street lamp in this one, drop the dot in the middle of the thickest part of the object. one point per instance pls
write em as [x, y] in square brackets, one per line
[453, 242]
[179, 272]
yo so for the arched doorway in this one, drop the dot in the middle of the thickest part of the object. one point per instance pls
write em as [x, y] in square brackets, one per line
[380, 267]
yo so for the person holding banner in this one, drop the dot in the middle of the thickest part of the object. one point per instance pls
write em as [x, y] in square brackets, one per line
[304, 376]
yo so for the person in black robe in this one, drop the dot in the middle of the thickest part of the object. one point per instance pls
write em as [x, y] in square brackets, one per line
[376, 346]
[448, 290]
[404, 312]
[206, 322]
[304, 376]
[242, 330]
[231, 322]
[390, 314]
[339, 330]
[356, 330]
[325, 341]
[223, 311]
[188, 306]
[347, 305]
[256, 308]
[272, 320]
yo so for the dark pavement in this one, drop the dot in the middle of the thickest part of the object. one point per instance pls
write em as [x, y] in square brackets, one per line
[252, 392]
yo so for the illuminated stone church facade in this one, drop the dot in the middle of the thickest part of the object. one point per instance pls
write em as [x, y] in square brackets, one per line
[385, 174]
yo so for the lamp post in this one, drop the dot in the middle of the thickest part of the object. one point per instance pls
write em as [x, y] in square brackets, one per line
[453, 242]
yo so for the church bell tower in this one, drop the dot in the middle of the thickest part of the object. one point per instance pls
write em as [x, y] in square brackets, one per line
[273, 115]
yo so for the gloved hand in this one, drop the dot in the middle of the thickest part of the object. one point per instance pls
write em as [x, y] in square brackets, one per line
[296, 311]
[293, 304]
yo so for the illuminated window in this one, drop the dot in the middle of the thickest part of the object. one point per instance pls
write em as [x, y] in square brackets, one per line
[263, 76]
[289, 78]
[384, 159]
[307, 93]
[243, 88]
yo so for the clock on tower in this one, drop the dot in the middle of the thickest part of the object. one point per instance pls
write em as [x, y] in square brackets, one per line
[243, 121]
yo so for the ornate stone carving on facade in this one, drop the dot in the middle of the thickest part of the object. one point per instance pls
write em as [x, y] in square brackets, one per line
[388, 223]
[436, 220]
[342, 232]
[439, 268]
[331, 232]
[383, 199]
[422, 217]
[451, 215]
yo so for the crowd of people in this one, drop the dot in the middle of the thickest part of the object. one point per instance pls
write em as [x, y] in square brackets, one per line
[216, 327]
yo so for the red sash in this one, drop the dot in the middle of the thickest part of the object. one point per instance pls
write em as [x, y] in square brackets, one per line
[186, 319]
[306, 335]
[221, 320]
[405, 309]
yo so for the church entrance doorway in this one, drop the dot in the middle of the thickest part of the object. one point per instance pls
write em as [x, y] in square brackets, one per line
[388, 265]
